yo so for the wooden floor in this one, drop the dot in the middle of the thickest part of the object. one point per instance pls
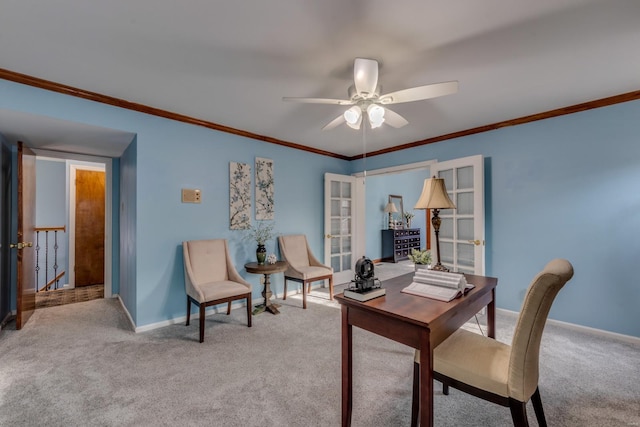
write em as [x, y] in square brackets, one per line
[68, 296]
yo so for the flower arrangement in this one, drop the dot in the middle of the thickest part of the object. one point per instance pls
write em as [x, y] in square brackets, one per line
[420, 257]
[408, 216]
[260, 233]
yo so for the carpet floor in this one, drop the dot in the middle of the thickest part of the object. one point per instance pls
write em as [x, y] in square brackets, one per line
[82, 365]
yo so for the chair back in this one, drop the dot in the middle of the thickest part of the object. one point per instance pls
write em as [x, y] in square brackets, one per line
[525, 347]
[294, 250]
[206, 260]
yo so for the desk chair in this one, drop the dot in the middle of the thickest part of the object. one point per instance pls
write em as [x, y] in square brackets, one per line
[303, 267]
[210, 278]
[493, 371]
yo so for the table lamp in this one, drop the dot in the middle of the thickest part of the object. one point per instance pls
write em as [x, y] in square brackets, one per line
[434, 196]
[390, 209]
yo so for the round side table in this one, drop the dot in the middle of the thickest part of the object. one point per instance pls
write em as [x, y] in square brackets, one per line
[266, 270]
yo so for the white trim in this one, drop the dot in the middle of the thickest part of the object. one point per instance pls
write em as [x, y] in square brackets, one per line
[108, 223]
[586, 329]
[221, 308]
[397, 169]
[124, 307]
[73, 168]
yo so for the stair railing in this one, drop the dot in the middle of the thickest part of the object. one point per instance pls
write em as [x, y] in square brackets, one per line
[56, 276]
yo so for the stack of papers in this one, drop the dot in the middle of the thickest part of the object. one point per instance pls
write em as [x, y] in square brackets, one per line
[439, 285]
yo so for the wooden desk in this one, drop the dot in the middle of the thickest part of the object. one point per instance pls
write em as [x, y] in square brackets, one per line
[419, 322]
[267, 270]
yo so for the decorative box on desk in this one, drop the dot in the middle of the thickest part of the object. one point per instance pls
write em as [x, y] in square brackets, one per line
[397, 244]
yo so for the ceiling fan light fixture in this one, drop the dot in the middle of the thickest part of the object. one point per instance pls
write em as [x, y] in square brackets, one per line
[376, 115]
[353, 117]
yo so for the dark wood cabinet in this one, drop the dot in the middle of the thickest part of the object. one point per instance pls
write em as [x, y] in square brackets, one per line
[397, 244]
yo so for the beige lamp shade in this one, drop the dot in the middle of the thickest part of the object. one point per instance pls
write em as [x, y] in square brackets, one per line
[434, 195]
[390, 208]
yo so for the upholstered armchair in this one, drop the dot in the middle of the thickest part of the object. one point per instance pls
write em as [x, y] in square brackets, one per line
[211, 279]
[304, 268]
[497, 372]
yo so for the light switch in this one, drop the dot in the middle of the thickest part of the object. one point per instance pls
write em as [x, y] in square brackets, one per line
[191, 195]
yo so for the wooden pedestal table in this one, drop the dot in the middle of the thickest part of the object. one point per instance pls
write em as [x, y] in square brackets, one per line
[267, 270]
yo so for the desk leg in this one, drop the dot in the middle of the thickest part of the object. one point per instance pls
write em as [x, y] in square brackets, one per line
[426, 380]
[491, 315]
[347, 368]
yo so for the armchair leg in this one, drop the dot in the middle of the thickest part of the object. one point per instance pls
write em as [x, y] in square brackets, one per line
[249, 310]
[188, 310]
[304, 295]
[229, 308]
[445, 389]
[284, 297]
[518, 413]
[537, 408]
[202, 307]
[331, 288]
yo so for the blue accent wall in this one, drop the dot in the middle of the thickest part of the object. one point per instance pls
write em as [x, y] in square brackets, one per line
[127, 236]
[378, 188]
[562, 187]
[51, 211]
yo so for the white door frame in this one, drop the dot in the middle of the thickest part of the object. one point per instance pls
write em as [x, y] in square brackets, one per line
[72, 160]
[73, 168]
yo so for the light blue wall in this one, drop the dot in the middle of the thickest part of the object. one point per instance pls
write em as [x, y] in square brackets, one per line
[563, 187]
[51, 211]
[167, 157]
[127, 235]
[378, 188]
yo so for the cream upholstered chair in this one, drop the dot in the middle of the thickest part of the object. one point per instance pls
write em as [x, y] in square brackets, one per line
[502, 374]
[303, 267]
[210, 278]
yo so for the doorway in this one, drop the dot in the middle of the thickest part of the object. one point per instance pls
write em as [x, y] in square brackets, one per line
[87, 242]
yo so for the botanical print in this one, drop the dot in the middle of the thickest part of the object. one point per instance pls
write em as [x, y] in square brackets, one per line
[239, 196]
[264, 189]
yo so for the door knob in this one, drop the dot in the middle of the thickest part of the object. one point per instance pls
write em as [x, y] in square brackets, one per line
[21, 245]
[475, 242]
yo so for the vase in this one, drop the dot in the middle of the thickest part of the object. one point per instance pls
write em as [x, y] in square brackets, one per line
[261, 254]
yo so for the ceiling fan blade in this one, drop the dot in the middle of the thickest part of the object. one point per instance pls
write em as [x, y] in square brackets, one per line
[365, 76]
[334, 123]
[319, 100]
[394, 119]
[419, 93]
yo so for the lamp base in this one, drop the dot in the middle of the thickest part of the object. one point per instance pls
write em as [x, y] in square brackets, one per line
[439, 267]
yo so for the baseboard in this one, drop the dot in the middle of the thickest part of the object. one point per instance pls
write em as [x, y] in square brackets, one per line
[222, 308]
[600, 332]
[124, 307]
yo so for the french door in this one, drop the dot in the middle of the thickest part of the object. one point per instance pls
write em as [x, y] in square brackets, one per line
[339, 235]
[462, 239]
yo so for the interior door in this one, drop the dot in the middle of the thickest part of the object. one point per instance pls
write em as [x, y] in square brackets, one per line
[339, 208]
[89, 227]
[26, 288]
[5, 231]
[462, 239]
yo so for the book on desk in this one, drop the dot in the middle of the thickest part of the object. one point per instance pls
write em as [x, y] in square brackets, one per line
[438, 285]
[363, 296]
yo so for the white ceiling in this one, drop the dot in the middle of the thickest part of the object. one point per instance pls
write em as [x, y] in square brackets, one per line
[231, 62]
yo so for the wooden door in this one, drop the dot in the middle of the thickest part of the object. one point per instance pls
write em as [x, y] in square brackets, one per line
[26, 288]
[89, 230]
[5, 232]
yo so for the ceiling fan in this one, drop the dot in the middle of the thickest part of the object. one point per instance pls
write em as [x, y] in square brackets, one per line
[365, 97]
